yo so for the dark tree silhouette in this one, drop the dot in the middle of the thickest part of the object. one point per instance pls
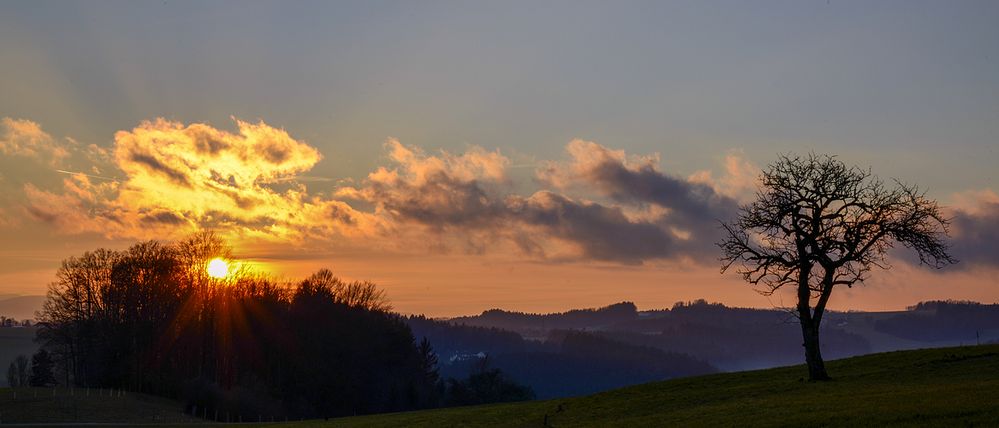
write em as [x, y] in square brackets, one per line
[485, 385]
[431, 373]
[12, 375]
[23, 370]
[150, 319]
[41, 369]
[355, 294]
[818, 224]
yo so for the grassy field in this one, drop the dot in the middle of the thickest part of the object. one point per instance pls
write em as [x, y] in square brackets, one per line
[934, 387]
[60, 405]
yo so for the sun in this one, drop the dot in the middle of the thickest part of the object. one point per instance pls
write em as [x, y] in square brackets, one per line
[218, 268]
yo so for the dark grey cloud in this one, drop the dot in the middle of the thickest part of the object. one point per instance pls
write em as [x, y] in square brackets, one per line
[602, 232]
[694, 209]
[647, 215]
[441, 200]
[164, 217]
[692, 203]
[154, 164]
[975, 236]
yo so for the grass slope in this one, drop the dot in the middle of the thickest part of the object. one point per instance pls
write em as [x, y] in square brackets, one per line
[931, 387]
[40, 405]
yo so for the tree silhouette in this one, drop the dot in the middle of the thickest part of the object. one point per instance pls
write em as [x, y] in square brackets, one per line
[150, 319]
[12, 375]
[355, 294]
[41, 369]
[428, 361]
[431, 373]
[23, 370]
[818, 224]
[485, 385]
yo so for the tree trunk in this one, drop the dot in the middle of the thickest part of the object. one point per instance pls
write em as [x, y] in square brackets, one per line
[813, 355]
[809, 327]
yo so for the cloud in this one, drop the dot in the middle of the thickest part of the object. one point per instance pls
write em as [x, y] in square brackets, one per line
[21, 137]
[439, 191]
[598, 231]
[599, 204]
[467, 196]
[181, 178]
[178, 178]
[739, 182]
[975, 229]
[692, 208]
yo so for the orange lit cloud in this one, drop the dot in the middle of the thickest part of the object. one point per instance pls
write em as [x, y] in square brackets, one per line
[183, 178]
[21, 137]
[180, 178]
[597, 204]
[740, 180]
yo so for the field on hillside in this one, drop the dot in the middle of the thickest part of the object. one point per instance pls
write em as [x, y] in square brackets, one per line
[933, 387]
[61, 405]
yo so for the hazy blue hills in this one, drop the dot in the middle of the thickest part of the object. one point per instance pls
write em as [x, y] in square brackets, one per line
[583, 351]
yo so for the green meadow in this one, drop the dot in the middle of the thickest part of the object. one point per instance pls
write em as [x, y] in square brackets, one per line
[930, 387]
[935, 387]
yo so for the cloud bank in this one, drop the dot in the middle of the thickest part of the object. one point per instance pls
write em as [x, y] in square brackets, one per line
[21, 137]
[183, 178]
[648, 214]
[594, 204]
[975, 229]
[177, 178]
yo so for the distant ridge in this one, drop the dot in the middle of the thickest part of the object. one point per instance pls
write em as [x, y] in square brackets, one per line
[572, 319]
[20, 307]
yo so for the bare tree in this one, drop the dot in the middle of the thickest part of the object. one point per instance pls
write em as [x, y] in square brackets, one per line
[12, 375]
[818, 224]
[23, 370]
[361, 294]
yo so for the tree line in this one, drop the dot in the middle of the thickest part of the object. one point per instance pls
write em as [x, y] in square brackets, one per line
[151, 319]
[38, 374]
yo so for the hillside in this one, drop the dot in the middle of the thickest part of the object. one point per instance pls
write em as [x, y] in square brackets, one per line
[60, 405]
[932, 387]
[935, 387]
[733, 339]
[568, 363]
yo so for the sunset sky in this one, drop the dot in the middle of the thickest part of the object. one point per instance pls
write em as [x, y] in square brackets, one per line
[533, 156]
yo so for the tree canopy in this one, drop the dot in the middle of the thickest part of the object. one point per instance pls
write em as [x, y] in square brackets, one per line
[151, 319]
[818, 223]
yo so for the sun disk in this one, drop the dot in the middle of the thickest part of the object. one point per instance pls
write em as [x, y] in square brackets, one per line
[218, 268]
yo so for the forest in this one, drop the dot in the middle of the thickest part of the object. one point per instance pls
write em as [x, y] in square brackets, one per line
[153, 319]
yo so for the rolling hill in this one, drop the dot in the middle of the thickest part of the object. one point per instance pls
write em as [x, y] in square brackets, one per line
[87, 406]
[930, 387]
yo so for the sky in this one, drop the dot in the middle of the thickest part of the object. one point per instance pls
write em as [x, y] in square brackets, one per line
[533, 156]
